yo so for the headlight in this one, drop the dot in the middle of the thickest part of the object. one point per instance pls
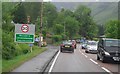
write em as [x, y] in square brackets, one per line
[106, 53]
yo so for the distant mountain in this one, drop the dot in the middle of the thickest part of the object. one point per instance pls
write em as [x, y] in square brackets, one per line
[101, 11]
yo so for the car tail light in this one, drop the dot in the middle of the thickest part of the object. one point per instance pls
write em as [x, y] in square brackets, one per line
[73, 46]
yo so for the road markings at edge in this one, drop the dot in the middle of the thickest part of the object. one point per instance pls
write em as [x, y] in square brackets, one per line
[93, 61]
[54, 61]
[106, 70]
[97, 64]
[83, 54]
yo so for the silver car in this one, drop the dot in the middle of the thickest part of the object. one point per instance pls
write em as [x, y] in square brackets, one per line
[91, 47]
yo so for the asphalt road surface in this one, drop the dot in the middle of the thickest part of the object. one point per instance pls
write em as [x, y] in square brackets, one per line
[79, 61]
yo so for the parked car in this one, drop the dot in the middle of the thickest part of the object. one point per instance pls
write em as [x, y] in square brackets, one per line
[44, 43]
[91, 47]
[78, 41]
[84, 45]
[67, 46]
[108, 49]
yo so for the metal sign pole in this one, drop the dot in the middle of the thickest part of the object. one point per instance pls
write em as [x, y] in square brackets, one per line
[28, 21]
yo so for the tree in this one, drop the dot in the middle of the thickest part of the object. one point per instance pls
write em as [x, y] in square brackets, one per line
[71, 26]
[58, 29]
[50, 13]
[20, 15]
[112, 29]
[83, 15]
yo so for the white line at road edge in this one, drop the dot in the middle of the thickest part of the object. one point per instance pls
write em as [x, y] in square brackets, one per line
[86, 56]
[106, 70]
[54, 62]
[93, 61]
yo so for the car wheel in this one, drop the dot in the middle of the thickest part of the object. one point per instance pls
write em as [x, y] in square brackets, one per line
[98, 58]
[61, 50]
[86, 51]
[82, 48]
[103, 59]
[73, 50]
[75, 46]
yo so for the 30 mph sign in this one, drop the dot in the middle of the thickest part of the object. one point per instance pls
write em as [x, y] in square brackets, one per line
[24, 33]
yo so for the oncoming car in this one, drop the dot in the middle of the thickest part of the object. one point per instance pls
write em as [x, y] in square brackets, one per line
[67, 46]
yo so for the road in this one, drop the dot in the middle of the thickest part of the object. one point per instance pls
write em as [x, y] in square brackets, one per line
[79, 61]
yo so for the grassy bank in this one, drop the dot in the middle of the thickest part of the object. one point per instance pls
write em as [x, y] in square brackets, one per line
[9, 65]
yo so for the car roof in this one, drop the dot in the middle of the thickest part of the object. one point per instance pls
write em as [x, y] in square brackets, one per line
[109, 39]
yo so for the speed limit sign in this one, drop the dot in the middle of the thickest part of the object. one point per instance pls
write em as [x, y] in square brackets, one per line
[24, 28]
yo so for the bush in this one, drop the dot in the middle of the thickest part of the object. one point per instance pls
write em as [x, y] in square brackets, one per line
[24, 47]
[57, 38]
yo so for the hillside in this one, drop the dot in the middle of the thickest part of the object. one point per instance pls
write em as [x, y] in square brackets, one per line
[101, 11]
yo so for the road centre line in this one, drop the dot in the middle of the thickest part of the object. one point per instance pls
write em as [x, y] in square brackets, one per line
[93, 61]
[54, 62]
[106, 70]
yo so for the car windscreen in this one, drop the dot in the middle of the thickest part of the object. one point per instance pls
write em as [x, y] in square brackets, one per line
[110, 43]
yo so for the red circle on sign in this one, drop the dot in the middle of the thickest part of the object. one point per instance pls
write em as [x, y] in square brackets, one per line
[25, 28]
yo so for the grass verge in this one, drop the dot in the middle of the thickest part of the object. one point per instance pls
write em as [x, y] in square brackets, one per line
[9, 65]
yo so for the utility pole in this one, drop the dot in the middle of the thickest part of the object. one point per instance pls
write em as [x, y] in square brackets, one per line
[41, 19]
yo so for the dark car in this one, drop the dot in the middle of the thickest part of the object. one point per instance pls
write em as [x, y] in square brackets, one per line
[108, 49]
[91, 47]
[67, 46]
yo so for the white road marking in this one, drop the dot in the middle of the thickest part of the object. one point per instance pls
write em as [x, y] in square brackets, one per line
[54, 62]
[86, 56]
[106, 70]
[83, 54]
[93, 61]
[80, 51]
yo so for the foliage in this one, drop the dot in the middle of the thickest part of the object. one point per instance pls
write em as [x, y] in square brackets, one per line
[58, 29]
[20, 15]
[57, 38]
[71, 26]
[112, 29]
[83, 15]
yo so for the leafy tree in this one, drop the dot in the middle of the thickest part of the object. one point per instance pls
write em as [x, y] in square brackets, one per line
[58, 29]
[20, 15]
[83, 15]
[71, 26]
[50, 13]
[112, 29]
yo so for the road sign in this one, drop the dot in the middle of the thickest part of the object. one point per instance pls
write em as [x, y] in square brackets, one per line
[25, 28]
[24, 33]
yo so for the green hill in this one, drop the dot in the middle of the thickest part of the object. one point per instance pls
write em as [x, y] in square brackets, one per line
[101, 11]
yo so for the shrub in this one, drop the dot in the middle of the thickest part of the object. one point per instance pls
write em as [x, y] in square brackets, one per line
[57, 38]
